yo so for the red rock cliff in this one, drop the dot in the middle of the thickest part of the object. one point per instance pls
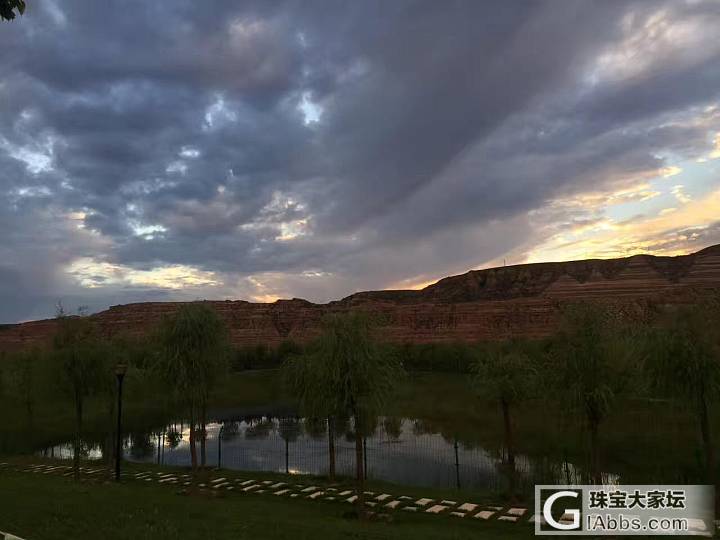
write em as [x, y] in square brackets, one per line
[496, 303]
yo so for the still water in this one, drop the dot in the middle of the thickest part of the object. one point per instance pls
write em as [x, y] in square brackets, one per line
[400, 450]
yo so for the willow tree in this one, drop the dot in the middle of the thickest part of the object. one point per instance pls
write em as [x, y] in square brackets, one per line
[596, 356]
[193, 353]
[77, 353]
[8, 8]
[684, 365]
[504, 373]
[345, 374]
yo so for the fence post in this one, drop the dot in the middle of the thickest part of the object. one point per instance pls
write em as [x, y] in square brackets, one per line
[365, 467]
[219, 442]
[457, 465]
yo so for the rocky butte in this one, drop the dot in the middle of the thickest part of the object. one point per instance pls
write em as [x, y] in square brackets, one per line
[496, 303]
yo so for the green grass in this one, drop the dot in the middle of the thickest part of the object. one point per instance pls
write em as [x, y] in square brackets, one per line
[43, 507]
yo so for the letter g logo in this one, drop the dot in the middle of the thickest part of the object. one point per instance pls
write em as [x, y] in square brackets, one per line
[547, 514]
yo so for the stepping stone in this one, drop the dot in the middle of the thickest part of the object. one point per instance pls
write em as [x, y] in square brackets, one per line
[331, 489]
[267, 482]
[202, 485]
[436, 509]
[467, 507]
[250, 488]
[369, 493]
[457, 514]
[423, 502]
[281, 492]
[496, 508]
[247, 482]
[410, 508]
[345, 493]
[260, 491]
[217, 480]
[449, 503]
[329, 498]
[370, 503]
[383, 497]
[393, 504]
[517, 511]
[404, 498]
[309, 489]
[230, 488]
[278, 485]
[351, 499]
[316, 495]
[696, 524]
[218, 486]
[293, 495]
[485, 514]
[507, 518]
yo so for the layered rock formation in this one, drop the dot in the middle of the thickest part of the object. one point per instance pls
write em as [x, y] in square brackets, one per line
[496, 303]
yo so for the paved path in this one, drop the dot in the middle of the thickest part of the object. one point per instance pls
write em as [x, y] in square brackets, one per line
[8, 536]
[380, 502]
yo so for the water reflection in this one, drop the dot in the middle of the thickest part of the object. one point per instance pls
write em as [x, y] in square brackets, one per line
[400, 450]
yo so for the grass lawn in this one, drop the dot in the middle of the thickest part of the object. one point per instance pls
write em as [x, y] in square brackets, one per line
[40, 507]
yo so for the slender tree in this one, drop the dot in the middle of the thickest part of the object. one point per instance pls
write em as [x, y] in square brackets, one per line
[596, 357]
[24, 375]
[684, 365]
[504, 373]
[193, 354]
[77, 354]
[345, 374]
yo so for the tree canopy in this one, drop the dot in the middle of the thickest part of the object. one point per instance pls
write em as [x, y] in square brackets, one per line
[8, 8]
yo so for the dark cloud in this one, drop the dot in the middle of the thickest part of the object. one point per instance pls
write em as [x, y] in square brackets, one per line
[317, 148]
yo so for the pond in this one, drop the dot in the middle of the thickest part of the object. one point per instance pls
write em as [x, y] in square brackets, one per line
[400, 450]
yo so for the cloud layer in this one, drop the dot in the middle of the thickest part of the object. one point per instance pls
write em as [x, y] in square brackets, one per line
[162, 150]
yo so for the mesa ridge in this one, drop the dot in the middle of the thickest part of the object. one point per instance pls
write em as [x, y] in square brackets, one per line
[496, 303]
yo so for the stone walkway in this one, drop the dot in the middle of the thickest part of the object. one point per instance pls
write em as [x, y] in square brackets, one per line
[8, 536]
[379, 502]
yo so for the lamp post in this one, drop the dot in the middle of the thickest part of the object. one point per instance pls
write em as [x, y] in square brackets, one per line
[120, 370]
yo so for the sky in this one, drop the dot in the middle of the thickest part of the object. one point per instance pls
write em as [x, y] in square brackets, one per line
[181, 150]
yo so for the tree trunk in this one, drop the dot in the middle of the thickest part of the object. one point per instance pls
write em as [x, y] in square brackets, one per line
[507, 423]
[203, 434]
[359, 472]
[193, 448]
[287, 456]
[109, 452]
[331, 447]
[78, 435]
[706, 433]
[510, 446]
[595, 474]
